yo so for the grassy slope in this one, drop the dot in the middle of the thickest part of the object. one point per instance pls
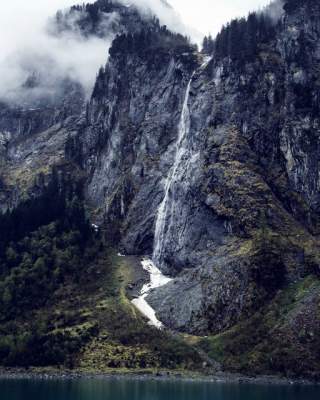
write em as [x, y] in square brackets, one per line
[92, 323]
[125, 341]
[282, 338]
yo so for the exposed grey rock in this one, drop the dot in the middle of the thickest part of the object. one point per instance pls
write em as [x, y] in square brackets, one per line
[245, 164]
[244, 205]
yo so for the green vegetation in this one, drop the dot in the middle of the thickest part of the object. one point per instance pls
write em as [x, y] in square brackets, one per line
[45, 247]
[63, 299]
[282, 337]
[150, 40]
[125, 340]
[241, 39]
[88, 323]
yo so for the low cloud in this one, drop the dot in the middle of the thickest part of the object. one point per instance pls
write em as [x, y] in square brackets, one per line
[37, 58]
[28, 49]
[167, 15]
[45, 58]
[275, 10]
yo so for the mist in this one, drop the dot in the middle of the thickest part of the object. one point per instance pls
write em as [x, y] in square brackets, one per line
[46, 58]
[275, 10]
[30, 50]
[167, 15]
[50, 60]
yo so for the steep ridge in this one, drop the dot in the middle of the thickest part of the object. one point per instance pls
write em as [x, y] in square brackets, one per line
[214, 169]
[135, 123]
[45, 126]
[241, 215]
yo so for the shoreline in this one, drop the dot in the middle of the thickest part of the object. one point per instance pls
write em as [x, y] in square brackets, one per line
[172, 376]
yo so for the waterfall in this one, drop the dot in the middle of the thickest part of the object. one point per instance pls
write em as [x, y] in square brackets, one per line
[181, 156]
[180, 151]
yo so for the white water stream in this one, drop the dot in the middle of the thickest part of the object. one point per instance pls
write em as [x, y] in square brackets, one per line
[180, 150]
[181, 157]
[157, 279]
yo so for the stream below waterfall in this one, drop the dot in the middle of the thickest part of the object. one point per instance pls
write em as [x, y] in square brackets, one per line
[164, 218]
[157, 279]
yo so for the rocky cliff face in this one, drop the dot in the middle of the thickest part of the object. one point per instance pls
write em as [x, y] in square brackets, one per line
[211, 166]
[241, 213]
[138, 127]
[37, 132]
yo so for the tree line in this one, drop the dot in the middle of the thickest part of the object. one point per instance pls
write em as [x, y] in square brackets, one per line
[144, 43]
[240, 39]
[46, 243]
[54, 204]
[150, 39]
[87, 17]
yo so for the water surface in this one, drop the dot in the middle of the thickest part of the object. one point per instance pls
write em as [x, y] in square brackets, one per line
[129, 389]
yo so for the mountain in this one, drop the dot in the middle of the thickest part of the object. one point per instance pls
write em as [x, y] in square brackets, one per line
[208, 161]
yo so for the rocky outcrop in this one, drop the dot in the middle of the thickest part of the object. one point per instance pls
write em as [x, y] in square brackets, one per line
[242, 213]
[38, 133]
[133, 125]
[212, 163]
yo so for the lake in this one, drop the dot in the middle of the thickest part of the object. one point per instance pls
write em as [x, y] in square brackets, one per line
[130, 389]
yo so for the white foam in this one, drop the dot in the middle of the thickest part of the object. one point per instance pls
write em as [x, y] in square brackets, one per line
[181, 160]
[162, 225]
[157, 279]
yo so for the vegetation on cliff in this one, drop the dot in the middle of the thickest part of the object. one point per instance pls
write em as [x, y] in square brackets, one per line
[281, 338]
[63, 294]
[241, 39]
[247, 220]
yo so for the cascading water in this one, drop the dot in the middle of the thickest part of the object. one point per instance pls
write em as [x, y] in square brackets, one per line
[180, 150]
[157, 279]
[182, 156]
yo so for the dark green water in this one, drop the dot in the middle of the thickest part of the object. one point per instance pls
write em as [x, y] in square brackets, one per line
[123, 389]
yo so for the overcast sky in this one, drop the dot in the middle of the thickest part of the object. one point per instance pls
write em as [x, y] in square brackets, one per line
[24, 44]
[209, 15]
[20, 17]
